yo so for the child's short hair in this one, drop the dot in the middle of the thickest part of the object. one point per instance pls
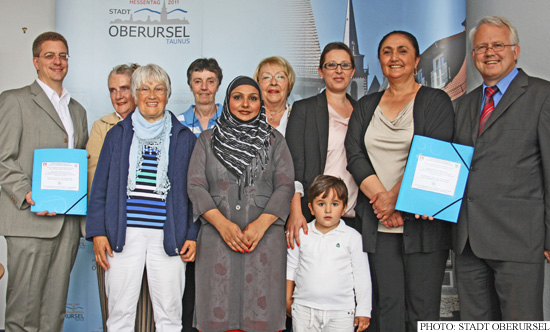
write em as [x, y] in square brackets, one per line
[323, 184]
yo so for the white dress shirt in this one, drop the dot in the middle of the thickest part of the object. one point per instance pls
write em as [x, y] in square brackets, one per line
[61, 105]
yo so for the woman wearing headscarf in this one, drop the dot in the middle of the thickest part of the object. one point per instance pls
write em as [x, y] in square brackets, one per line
[241, 182]
[139, 213]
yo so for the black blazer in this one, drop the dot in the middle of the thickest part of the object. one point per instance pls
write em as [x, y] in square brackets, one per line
[433, 117]
[307, 139]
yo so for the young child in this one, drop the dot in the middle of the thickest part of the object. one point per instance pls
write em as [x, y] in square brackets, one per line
[329, 272]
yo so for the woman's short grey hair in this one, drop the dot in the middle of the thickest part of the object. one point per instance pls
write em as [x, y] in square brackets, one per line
[125, 69]
[148, 73]
[497, 21]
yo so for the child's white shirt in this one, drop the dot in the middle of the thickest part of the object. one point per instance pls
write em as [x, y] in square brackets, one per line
[331, 271]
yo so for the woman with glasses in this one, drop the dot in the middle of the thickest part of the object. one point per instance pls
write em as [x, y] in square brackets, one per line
[315, 135]
[118, 82]
[276, 78]
[407, 255]
[139, 213]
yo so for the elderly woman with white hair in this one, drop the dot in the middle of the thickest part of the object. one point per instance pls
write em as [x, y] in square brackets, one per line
[139, 213]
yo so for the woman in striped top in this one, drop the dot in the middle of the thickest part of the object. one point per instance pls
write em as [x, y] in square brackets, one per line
[139, 213]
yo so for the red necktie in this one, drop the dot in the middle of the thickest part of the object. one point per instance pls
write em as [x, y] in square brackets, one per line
[488, 106]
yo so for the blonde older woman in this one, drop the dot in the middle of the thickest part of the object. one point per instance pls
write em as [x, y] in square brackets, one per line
[276, 78]
[139, 213]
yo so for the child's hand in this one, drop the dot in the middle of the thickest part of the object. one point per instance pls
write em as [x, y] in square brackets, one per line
[289, 307]
[361, 323]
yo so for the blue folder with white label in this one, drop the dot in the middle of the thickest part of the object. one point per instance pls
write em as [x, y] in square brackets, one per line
[60, 181]
[435, 178]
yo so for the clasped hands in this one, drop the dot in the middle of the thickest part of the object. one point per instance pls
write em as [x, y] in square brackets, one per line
[383, 205]
[242, 240]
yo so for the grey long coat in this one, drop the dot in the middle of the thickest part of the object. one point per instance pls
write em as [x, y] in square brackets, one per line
[235, 290]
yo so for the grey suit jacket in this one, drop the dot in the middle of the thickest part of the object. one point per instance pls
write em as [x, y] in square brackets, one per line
[506, 209]
[28, 121]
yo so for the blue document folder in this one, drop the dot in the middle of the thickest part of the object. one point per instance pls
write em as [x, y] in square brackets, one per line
[435, 178]
[60, 181]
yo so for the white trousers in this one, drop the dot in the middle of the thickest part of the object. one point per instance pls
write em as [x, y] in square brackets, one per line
[306, 319]
[166, 276]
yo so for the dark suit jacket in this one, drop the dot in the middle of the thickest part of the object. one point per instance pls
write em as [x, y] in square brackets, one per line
[433, 117]
[505, 213]
[307, 138]
[28, 121]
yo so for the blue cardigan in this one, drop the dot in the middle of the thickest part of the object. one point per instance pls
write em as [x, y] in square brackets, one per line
[107, 207]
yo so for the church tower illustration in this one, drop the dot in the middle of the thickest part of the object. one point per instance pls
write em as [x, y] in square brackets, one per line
[359, 83]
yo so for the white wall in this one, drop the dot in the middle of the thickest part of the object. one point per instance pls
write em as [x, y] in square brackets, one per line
[16, 69]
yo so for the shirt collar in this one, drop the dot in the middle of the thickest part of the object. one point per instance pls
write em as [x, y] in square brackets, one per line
[52, 95]
[504, 83]
[191, 120]
[339, 229]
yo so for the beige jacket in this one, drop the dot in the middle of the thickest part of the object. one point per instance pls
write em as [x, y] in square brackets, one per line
[95, 142]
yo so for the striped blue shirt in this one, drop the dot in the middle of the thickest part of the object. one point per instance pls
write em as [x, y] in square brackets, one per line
[144, 207]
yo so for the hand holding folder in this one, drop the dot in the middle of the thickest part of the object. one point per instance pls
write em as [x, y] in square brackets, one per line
[59, 182]
[435, 178]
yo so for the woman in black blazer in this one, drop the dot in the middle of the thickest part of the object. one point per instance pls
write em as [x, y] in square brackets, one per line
[407, 256]
[312, 122]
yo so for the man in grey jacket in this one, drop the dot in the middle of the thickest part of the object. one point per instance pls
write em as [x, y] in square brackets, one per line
[502, 235]
[42, 247]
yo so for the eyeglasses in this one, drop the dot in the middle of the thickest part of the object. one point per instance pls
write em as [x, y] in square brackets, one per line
[51, 56]
[157, 91]
[497, 47]
[269, 77]
[334, 65]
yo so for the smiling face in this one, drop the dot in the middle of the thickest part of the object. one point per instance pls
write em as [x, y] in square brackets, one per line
[244, 102]
[204, 85]
[52, 71]
[327, 211]
[336, 80]
[151, 100]
[274, 84]
[121, 95]
[398, 58]
[493, 66]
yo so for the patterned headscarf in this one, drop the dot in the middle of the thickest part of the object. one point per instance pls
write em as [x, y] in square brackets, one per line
[242, 146]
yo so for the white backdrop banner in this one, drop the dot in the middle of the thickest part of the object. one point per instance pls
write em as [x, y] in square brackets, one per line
[239, 33]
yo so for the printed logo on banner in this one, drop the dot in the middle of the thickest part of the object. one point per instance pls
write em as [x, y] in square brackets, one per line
[144, 19]
[74, 311]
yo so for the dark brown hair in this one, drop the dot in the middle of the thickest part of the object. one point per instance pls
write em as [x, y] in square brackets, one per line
[405, 34]
[44, 37]
[323, 184]
[336, 46]
[201, 64]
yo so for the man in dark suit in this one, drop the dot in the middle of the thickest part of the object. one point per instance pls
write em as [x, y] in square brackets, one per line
[502, 235]
[42, 247]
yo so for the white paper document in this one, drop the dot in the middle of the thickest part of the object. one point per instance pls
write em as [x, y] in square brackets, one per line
[60, 176]
[436, 175]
